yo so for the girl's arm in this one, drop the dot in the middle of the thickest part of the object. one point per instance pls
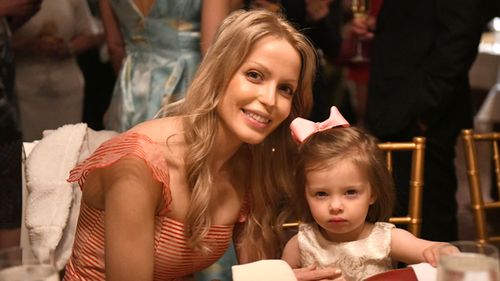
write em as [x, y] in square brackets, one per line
[291, 254]
[131, 198]
[407, 248]
[113, 34]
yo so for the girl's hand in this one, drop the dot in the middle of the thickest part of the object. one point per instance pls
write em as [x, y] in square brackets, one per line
[432, 253]
[312, 273]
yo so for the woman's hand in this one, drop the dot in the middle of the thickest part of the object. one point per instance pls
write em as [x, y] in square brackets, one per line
[51, 46]
[312, 273]
[432, 253]
[18, 7]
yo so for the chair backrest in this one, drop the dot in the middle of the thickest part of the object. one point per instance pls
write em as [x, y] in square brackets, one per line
[414, 217]
[478, 205]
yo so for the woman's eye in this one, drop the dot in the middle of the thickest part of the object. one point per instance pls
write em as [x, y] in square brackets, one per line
[287, 89]
[254, 75]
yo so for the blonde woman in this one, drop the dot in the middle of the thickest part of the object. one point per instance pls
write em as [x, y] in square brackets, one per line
[164, 199]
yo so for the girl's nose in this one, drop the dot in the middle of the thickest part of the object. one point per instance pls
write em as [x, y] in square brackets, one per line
[335, 206]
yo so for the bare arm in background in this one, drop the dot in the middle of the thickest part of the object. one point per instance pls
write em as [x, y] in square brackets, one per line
[18, 11]
[112, 34]
[212, 14]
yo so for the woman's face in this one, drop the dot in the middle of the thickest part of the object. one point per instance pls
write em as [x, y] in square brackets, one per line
[259, 95]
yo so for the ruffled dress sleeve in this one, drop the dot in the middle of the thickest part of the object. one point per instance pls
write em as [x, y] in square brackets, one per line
[124, 145]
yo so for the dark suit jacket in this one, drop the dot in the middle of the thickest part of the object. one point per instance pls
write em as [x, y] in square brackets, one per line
[422, 53]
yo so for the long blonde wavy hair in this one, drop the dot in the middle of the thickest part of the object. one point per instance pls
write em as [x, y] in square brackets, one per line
[268, 165]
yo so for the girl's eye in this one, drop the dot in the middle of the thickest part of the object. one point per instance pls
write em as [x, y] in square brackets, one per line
[351, 192]
[254, 75]
[321, 194]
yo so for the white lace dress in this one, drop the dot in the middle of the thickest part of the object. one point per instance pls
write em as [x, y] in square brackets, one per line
[357, 259]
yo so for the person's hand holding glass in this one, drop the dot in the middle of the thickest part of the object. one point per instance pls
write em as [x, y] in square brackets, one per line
[362, 26]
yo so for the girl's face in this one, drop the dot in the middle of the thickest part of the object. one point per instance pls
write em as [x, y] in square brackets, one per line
[259, 95]
[339, 197]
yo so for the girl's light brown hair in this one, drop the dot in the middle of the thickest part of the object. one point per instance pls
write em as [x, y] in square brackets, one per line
[323, 149]
[268, 174]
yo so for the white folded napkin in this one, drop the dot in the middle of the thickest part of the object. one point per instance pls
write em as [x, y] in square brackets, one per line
[264, 270]
[424, 271]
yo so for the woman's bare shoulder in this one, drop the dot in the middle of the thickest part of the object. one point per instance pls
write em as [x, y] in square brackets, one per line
[167, 133]
[160, 129]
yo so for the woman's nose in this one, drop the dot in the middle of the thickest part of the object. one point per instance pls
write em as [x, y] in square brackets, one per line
[267, 95]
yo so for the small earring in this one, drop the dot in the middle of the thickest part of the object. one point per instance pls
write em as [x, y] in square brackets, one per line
[273, 150]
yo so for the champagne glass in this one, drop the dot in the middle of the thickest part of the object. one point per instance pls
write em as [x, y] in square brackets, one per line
[473, 261]
[360, 10]
[19, 264]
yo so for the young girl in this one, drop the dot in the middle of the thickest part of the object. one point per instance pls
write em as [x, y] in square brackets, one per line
[348, 197]
[165, 199]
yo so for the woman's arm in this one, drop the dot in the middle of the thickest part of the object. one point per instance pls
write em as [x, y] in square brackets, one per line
[113, 35]
[212, 14]
[420, 250]
[87, 34]
[18, 11]
[131, 199]
[82, 42]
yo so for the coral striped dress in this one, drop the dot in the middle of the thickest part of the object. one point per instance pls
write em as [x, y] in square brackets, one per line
[173, 258]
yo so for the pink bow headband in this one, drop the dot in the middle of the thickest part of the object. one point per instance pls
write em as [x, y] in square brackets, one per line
[302, 128]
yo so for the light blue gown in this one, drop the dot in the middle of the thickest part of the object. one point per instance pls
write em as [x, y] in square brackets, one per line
[162, 55]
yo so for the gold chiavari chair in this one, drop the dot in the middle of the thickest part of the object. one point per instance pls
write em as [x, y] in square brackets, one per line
[414, 217]
[478, 205]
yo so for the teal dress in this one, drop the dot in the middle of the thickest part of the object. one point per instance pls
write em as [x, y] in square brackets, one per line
[162, 55]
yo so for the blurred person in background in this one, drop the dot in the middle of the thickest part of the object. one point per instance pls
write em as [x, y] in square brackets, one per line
[154, 47]
[49, 83]
[419, 86]
[13, 13]
[98, 74]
